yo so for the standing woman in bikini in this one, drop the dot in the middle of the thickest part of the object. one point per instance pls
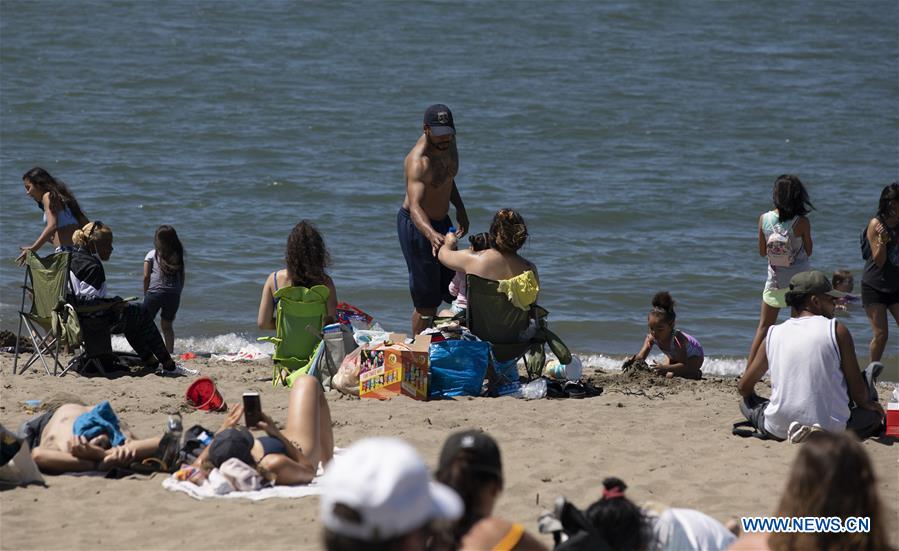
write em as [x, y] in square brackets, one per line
[62, 214]
[306, 258]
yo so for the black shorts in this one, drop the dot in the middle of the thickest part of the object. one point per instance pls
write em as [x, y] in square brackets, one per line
[31, 430]
[167, 302]
[428, 279]
[870, 295]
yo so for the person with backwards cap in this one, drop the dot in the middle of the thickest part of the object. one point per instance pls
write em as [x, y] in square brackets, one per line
[470, 464]
[378, 496]
[814, 371]
[423, 222]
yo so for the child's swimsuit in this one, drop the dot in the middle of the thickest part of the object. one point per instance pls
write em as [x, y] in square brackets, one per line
[692, 345]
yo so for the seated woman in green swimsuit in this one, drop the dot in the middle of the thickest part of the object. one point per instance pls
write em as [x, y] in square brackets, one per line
[517, 276]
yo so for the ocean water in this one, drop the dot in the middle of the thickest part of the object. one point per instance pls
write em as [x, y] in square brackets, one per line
[639, 140]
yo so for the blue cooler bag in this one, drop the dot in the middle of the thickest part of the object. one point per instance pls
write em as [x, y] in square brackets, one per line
[458, 368]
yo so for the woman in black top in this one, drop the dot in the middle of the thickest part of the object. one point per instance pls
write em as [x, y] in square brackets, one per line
[93, 246]
[880, 282]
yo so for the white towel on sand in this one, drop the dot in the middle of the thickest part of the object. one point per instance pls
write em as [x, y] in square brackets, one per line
[206, 491]
[212, 483]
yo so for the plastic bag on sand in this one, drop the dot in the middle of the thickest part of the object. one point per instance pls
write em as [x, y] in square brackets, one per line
[346, 379]
[505, 373]
[371, 337]
[457, 368]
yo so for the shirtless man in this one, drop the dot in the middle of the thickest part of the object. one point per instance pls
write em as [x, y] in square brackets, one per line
[56, 450]
[423, 221]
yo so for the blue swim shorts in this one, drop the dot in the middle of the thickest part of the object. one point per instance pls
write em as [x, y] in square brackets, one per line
[428, 279]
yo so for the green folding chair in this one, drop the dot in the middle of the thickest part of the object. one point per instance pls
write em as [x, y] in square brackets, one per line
[493, 318]
[50, 320]
[299, 318]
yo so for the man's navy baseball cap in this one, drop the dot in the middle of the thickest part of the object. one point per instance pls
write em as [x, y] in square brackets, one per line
[439, 119]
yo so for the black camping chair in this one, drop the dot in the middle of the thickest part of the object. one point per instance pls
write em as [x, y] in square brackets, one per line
[493, 318]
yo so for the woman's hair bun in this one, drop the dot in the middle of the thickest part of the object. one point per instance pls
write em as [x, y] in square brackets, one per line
[508, 230]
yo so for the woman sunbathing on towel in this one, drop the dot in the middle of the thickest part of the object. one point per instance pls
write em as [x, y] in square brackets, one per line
[501, 262]
[288, 457]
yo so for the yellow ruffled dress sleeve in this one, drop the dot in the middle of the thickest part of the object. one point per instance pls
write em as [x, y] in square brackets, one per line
[521, 290]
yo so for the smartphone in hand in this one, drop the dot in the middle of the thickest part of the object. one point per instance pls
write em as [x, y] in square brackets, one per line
[252, 408]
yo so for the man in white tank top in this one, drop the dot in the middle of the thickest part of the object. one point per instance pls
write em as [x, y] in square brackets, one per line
[814, 371]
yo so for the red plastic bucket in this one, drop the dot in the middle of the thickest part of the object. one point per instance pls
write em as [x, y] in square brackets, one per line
[202, 394]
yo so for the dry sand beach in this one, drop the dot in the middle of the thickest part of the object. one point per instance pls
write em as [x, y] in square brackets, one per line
[670, 442]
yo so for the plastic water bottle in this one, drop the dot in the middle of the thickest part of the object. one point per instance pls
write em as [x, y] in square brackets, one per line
[173, 432]
[895, 398]
[534, 390]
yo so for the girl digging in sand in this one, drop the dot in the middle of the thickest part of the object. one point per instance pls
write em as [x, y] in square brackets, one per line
[684, 353]
[785, 237]
[62, 215]
[164, 280]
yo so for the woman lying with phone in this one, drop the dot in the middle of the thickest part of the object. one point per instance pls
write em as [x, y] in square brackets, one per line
[286, 457]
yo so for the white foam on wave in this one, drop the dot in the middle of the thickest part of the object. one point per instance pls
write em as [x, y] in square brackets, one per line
[718, 366]
[219, 344]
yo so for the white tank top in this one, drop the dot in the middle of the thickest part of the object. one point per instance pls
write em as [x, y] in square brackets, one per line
[807, 384]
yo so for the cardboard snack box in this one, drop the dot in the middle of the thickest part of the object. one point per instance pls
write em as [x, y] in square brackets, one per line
[396, 369]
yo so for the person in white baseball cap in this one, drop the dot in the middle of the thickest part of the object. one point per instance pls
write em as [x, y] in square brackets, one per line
[379, 495]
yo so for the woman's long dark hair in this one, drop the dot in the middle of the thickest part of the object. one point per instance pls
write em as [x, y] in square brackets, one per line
[889, 193]
[468, 479]
[60, 196]
[618, 519]
[169, 250]
[306, 256]
[790, 197]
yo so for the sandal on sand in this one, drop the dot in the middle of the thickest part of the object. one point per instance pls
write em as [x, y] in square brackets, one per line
[149, 466]
[555, 389]
[575, 390]
[798, 433]
[571, 389]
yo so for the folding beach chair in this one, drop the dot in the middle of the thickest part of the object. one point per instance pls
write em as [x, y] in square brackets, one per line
[50, 320]
[299, 319]
[493, 318]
